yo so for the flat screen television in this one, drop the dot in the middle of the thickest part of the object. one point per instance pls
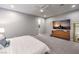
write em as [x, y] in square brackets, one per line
[63, 24]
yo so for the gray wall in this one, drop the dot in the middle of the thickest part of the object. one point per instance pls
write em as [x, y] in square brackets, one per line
[17, 24]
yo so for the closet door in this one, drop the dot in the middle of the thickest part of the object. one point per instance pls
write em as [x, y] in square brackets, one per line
[76, 32]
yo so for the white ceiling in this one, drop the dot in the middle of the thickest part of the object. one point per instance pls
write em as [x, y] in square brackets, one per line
[34, 9]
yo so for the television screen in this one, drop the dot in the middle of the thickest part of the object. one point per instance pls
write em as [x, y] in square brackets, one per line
[63, 24]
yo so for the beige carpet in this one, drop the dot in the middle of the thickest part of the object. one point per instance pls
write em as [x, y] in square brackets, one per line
[59, 46]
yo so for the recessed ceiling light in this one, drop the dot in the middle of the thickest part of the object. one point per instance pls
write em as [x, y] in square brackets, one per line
[41, 10]
[73, 6]
[12, 6]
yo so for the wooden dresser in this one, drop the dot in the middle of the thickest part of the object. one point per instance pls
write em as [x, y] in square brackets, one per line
[61, 34]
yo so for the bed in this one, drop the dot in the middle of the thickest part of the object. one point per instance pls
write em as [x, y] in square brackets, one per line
[25, 45]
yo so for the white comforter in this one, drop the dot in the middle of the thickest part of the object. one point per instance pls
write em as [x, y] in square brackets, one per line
[25, 45]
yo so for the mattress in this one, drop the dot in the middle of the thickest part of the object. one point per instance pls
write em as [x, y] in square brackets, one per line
[25, 45]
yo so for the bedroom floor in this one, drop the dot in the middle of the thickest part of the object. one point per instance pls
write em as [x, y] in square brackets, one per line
[59, 46]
